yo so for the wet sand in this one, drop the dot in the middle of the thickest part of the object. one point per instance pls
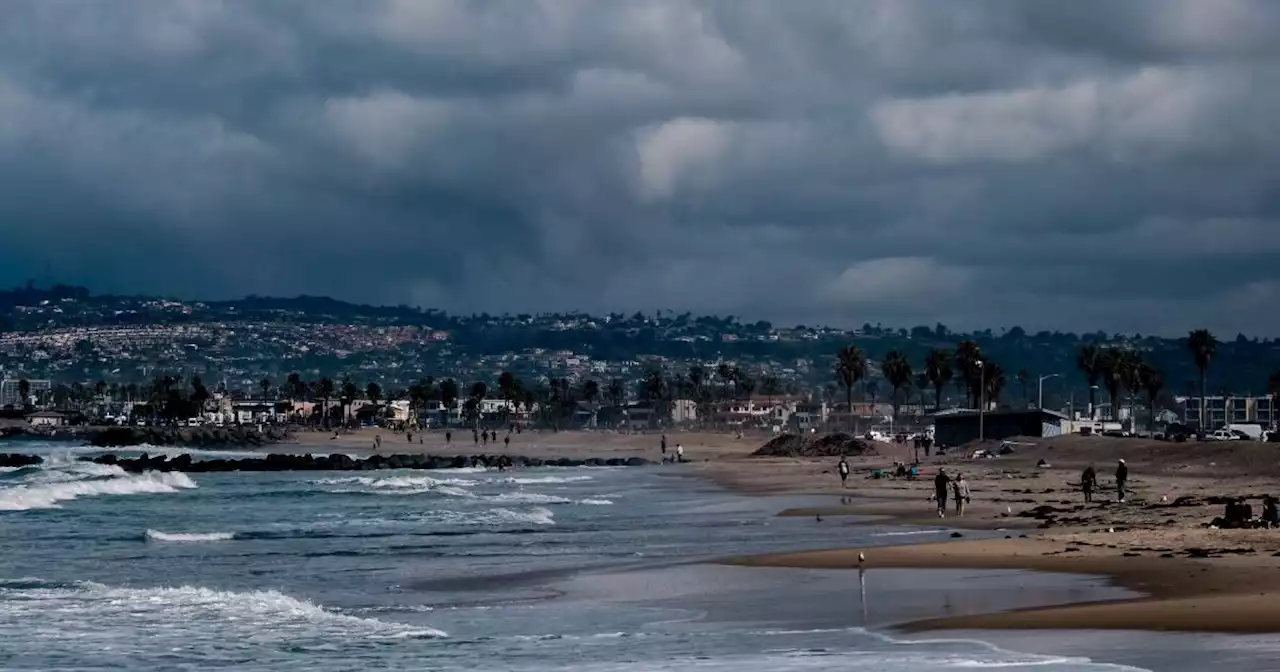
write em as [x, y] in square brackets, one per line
[1156, 543]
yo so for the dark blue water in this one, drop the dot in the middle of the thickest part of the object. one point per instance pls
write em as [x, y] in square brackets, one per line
[535, 569]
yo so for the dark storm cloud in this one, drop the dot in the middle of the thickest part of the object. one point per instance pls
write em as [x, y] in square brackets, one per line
[1059, 165]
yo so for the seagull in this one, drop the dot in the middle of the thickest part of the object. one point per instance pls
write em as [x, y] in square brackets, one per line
[1164, 499]
[862, 557]
[818, 517]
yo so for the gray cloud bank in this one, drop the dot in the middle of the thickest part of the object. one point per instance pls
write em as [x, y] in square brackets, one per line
[1073, 165]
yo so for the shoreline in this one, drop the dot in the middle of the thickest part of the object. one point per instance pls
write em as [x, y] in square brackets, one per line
[1193, 579]
[1227, 595]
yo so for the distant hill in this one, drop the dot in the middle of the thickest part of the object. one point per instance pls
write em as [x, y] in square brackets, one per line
[1243, 364]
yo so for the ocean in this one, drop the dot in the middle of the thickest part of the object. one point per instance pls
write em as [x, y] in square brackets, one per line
[599, 569]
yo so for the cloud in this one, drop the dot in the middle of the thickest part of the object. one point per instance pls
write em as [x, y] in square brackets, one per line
[1083, 166]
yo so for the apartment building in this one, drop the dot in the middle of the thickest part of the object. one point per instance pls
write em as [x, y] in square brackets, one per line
[1220, 411]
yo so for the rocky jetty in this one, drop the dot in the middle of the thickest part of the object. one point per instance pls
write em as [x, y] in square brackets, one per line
[115, 437]
[829, 445]
[193, 437]
[340, 462]
[19, 460]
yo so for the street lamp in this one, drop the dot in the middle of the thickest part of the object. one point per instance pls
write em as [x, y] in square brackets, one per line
[982, 401]
[1040, 397]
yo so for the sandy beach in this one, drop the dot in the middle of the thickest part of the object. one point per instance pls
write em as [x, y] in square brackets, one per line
[1156, 543]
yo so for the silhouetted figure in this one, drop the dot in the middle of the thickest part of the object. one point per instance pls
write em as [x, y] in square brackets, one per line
[1270, 511]
[960, 489]
[506, 440]
[663, 445]
[448, 437]
[940, 486]
[1088, 481]
[1122, 475]
[843, 468]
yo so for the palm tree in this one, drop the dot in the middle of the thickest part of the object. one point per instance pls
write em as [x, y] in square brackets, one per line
[1131, 371]
[770, 387]
[448, 395]
[851, 367]
[726, 374]
[966, 359]
[1112, 371]
[1203, 347]
[897, 370]
[265, 384]
[590, 391]
[374, 392]
[1226, 405]
[507, 384]
[324, 392]
[348, 393]
[1024, 379]
[993, 382]
[1088, 361]
[24, 391]
[296, 388]
[937, 367]
[1273, 388]
[616, 394]
[1152, 381]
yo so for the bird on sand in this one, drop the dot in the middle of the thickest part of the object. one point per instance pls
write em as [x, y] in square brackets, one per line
[862, 557]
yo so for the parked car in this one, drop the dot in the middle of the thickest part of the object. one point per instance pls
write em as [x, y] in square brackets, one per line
[1223, 435]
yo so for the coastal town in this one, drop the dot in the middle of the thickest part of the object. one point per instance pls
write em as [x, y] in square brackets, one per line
[67, 357]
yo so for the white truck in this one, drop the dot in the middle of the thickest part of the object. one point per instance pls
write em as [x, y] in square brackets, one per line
[1253, 431]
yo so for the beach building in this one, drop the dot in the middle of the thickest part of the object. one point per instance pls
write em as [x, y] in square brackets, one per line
[10, 396]
[1220, 411]
[957, 426]
[47, 419]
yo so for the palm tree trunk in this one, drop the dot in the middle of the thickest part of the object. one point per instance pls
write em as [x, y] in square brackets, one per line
[1203, 386]
[848, 402]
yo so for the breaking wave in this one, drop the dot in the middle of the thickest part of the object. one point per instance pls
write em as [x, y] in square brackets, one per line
[180, 616]
[47, 489]
[157, 535]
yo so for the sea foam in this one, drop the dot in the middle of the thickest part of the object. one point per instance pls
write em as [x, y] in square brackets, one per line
[183, 616]
[40, 493]
[157, 535]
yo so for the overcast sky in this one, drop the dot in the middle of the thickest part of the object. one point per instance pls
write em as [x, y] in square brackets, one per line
[1073, 165]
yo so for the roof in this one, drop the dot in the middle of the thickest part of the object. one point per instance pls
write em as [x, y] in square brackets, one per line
[47, 414]
[955, 412]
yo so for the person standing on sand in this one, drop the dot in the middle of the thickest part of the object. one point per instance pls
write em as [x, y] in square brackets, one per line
[507, 440]
[960, 488]
[448, 437]
[679, 453]
[664, 447]
[843, 468]
[1088, 481]
[1122, 475]
[940, 485]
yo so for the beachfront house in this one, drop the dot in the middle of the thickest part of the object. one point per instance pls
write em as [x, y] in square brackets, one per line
[47, 419]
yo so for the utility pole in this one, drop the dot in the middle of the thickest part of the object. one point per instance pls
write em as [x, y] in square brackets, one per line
[1040, 396]
[982, 401]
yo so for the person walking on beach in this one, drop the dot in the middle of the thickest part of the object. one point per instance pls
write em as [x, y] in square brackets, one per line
[1088, 481]
[1122, 475]
[663, 444]
[940, 485]
[679, 453]
[506, 440]
[843, 468]
[960, 488]
[448, 437]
